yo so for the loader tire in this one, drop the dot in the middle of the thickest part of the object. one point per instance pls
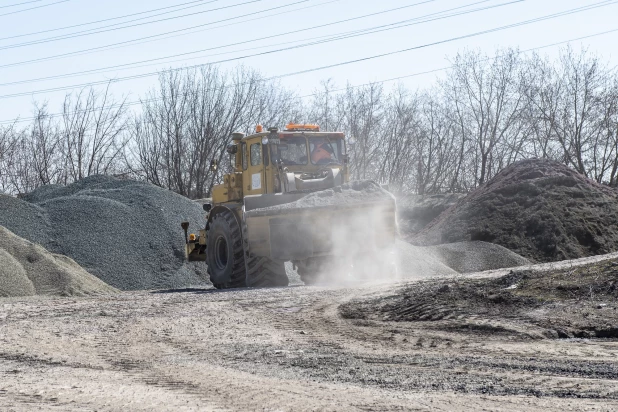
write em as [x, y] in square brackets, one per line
[225, 254]
[263, 272]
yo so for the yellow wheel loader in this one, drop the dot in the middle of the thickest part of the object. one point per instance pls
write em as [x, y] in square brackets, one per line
[288, 198]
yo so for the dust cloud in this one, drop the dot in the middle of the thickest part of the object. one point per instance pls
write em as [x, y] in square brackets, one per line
[366, 248]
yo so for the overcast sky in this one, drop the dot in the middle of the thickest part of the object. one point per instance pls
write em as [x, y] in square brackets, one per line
[396, 25]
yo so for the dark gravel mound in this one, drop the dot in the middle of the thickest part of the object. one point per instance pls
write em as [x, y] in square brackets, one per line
[539, 209]
[127, 233]
[415, 212]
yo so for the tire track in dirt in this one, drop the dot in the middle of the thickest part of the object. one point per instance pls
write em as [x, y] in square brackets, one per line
[280, 349]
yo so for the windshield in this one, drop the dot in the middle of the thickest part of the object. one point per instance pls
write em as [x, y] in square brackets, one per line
[325, 151]
[291, 151]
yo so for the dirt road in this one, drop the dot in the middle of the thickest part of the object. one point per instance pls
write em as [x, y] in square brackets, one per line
[279, 349]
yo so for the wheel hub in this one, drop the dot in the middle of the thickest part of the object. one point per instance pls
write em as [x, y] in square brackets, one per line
[221, 252]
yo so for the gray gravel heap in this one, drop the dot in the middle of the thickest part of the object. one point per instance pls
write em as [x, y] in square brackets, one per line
[415, 262]
[466, 257]
[126, 233]
[27, 220]
[27, 269]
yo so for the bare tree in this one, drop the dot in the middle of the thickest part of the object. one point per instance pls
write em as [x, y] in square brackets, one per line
[487, 105]
[187, 122]
[8, 143]
[92, 133]
[485, 114]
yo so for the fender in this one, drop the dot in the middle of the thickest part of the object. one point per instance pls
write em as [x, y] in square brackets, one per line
[232, 207]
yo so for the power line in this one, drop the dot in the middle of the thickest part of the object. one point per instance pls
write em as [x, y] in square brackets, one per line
[250, 41]
[20, 4]
[133, 103]
[32, 8]
[137, 42]
[109, 19]
[130, 41]
[525, 22]
[97, 30]
[500, 28]
[92, 31]
[337, 37]
[453, 66]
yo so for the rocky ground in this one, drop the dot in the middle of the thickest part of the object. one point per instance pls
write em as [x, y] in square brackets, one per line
[303, 348]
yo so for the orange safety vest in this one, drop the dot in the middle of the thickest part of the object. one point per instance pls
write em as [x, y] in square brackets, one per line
[319, 153]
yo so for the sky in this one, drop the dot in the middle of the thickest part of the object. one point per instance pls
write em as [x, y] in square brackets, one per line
[115, 39]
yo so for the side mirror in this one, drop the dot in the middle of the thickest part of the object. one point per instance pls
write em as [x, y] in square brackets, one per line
[352, 142]
[214, 166]
[232, 149]
[207, 207]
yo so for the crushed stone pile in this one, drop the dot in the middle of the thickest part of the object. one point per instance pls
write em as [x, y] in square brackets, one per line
[415, 262]
[27, 269]
[467, 257]
[539, 209]
[126, 233]
[415, 212]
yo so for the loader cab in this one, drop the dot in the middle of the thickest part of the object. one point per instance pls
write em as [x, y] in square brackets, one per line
[262, 161]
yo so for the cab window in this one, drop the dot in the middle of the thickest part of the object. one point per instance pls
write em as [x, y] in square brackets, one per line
[256, 154]
[291, 151]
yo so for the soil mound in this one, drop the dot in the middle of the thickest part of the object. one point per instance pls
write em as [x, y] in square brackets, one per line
[467, 257]
[126, 233]
[415, 212]
[27, 269]
[539, 209]
[565, 303]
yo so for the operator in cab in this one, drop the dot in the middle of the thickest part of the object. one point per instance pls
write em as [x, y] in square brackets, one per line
[322, 153]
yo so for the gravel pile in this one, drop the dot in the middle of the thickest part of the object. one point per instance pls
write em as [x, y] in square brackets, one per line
[27, 269]
[25, 219]
[539, 209]
[124, 232]
[414, 212]
[466, 257]
[419, 262]
[349, 194]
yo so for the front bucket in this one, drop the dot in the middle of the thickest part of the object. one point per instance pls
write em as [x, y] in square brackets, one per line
[298, 234]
